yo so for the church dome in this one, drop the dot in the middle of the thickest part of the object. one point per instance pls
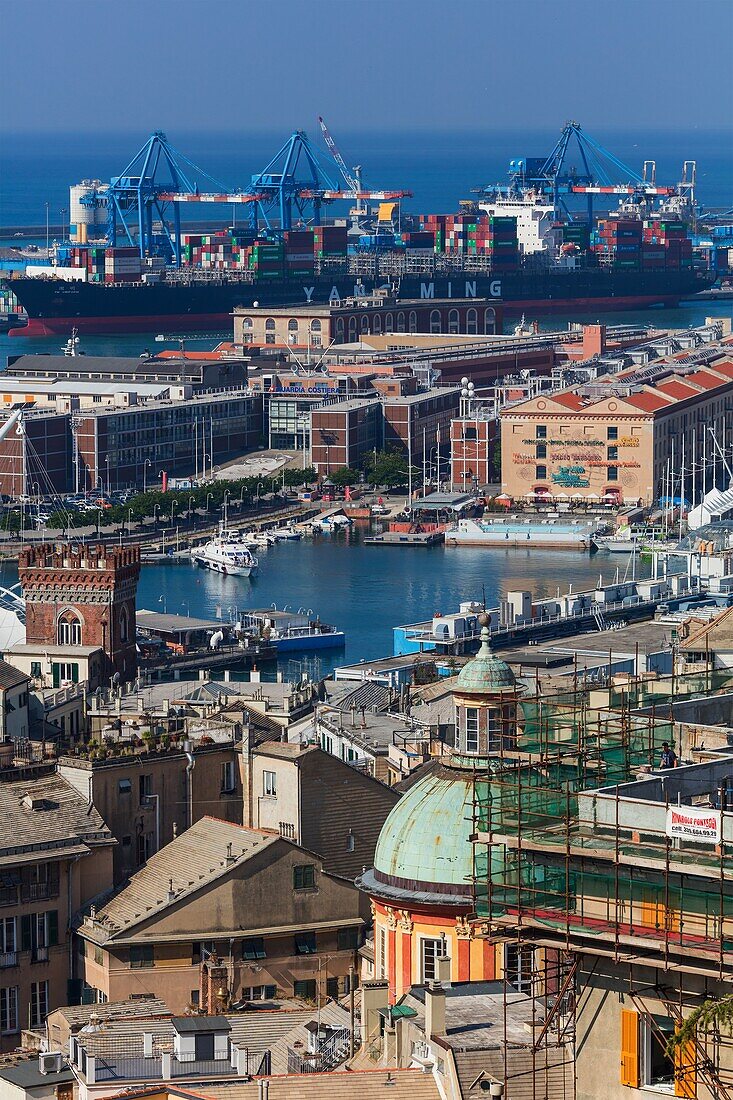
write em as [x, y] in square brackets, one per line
[424, 847]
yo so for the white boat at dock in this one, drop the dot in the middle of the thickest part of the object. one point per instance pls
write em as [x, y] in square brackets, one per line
[515, 531]
[226, 553]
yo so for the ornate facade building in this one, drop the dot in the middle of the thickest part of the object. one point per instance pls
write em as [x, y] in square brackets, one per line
[422, 883]
[80, 596]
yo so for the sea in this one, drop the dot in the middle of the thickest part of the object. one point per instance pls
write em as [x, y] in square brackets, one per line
[367, 590]
[439, 168]
[364, 591]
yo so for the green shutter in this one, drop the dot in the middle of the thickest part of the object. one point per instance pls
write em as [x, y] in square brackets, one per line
[53, 927]
[25, 932]
[75, 673]
[56, 674]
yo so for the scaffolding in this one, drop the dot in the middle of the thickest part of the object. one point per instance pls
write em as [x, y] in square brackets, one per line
[572, 861]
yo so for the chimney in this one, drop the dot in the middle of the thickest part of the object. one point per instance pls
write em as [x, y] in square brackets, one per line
[443, 970]
[374, 996]
[434, 1009]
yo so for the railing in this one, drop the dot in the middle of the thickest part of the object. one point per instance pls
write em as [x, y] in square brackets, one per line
[8, 895]
[125, 1069]
[335, 1048]
[8, 958]
[39, 955]
[207, 1067]
[39, 891]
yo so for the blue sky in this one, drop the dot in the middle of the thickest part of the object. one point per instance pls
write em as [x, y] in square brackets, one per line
[389, 65]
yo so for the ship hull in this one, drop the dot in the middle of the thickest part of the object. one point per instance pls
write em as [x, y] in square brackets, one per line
[55, 307]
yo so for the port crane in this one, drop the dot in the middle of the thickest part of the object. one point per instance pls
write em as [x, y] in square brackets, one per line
[286, 193]
[160, 179]
[599, 172]
[137, 195]
[356, 193]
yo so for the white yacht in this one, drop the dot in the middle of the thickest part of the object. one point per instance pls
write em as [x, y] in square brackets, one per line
[222, 554]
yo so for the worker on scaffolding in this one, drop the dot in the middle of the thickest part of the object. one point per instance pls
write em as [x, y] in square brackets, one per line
[669, 756]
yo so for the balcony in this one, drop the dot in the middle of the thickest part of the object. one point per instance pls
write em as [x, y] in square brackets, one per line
[39, 955]
[8, 958]
[39, 891]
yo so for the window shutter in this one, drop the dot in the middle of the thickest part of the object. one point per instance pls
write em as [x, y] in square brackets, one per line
[53, 927]
[629, 1048]
[685, 1070]
[25, 932]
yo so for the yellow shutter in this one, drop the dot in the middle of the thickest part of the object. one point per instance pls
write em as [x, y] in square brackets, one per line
[629, 1048]
[685, 1070]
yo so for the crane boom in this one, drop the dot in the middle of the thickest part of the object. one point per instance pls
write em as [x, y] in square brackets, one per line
[15, 417]
[184, 196]
[333, 150]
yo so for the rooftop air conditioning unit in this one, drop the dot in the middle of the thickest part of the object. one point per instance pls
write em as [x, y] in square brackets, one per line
[50, 1063]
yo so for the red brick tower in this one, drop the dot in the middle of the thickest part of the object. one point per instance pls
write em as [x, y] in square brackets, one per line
[80, 595]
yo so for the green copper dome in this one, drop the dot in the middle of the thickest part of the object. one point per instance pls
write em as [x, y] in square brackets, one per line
[486, 674]
[424, 844]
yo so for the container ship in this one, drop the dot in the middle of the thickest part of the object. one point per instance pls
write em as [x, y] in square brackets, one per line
[55, 306]
[517, 245]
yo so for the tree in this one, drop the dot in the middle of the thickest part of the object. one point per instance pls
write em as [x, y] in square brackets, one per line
[389, 468]
[344, 476]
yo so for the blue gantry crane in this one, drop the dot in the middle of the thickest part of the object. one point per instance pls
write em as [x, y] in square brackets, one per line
[157, 178]
[160, 178]
[598, 172]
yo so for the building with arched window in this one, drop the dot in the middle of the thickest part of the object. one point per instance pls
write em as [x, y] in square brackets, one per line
[380, 313]
[80, 611]
[421, 883]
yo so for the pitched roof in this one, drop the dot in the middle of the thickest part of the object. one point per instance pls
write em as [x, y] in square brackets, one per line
[194, 859]
[46, 812]
[11, 677]
[715, 634]
[648, 402]
[141, 1008]
[375, 1084]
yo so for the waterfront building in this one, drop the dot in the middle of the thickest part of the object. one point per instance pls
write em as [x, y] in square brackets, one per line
[80, 599]
[473, 450]
[347, 321]
[345, 433]
[109, 435]
[625, 436]
[201, 371]
[416, 424]
[55, 855]
[264, 905]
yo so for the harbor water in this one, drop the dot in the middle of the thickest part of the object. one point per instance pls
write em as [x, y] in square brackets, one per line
[366, 590]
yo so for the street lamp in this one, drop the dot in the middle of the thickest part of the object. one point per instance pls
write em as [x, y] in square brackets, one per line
[162, 599]
[190, 508]
[259, 486]
[156, 509]
[209, 496]
[145, 474]
[211, 464]
[106, 463]
[174, 504]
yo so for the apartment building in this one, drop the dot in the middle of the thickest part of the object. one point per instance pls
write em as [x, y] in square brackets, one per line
[55, 854]
[264, 906]
[317, 800]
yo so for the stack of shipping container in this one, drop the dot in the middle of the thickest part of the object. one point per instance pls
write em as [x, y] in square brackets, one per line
[669, 237]
[652, 245]
[329, 242]
[299, 253]
[619, 240]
